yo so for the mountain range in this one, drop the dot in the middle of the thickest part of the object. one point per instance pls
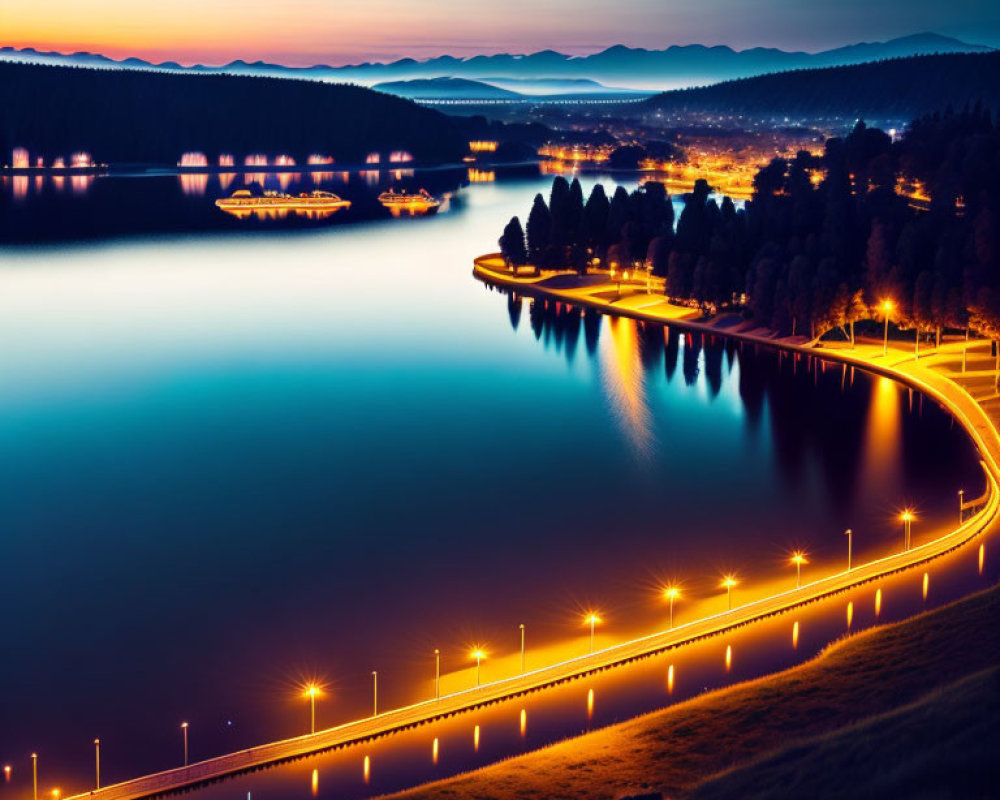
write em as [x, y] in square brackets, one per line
[627, 67]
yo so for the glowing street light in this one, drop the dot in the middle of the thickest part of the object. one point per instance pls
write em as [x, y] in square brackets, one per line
[184, 730]
[34, 775]
[522, 648]
[312, 691]
[849, 536]
[437, 674]
[907, 519]
[56, 794]
[592, 620]
[374, 693]
[728, 582]
[798, 559]
[886, 309]
[671, 593]
[479, 655]
[961, 515]
[97, 763]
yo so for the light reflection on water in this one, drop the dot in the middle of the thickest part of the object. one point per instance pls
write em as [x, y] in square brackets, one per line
[239, 459]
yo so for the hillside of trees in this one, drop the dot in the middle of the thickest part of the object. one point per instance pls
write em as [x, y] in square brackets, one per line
[824, 240]
[137, 116]
[896, 88]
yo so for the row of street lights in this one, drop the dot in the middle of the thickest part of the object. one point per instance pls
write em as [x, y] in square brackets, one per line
[671, 594]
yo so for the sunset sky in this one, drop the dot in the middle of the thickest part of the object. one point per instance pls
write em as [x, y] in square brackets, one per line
[345, 31]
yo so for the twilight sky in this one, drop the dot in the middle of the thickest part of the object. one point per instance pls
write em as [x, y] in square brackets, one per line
[346, 31]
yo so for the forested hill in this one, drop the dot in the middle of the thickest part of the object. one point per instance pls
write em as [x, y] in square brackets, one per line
[138, 116]
[903, 87]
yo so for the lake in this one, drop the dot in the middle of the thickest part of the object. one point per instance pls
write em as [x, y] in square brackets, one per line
[265, 452]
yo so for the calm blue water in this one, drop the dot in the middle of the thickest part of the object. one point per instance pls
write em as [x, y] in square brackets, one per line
[238, 458]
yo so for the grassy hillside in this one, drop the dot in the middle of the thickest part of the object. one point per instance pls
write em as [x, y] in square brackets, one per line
[892, 712]
[140, 116]
[903, 87]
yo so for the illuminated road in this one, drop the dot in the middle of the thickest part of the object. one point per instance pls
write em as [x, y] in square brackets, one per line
[903, 368]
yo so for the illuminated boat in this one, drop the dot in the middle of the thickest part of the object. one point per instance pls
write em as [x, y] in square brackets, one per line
[243, 202]
[398, 203]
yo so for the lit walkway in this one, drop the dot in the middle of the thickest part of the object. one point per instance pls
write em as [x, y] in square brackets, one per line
[932, 375]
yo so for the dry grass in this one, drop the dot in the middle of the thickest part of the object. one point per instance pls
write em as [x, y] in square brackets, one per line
[860, 720]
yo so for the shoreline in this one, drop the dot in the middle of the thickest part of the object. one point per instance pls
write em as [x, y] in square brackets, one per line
[973, 418]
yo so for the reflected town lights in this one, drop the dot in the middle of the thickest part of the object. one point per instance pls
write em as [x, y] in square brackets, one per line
[795, 635]
[367, 769]
[670, 679]
[982, 555]
[475, 738]
[878, 602]
[850, 613]
[729, 657]
[524, 721]
[590, 704]
[798, 559]
[315, 782]
[926, 585]
[434, 750]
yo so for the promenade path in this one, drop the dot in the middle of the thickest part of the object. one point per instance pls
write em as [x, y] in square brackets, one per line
[968, 395]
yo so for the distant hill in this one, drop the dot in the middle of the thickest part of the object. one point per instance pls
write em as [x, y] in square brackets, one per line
[637, 68]
[558, 86]
[445, 88]
[143, 116]
[903, 88]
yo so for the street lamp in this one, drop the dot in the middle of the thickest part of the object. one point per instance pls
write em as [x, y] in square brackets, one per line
[34, 775]
[312, 691]
[97, 763]
[184, 731]
[907, 518]
[671, 593]
[522, 648]
[849, 536]
[798, 559]
[961, 515]
[886, 309]
[612, 272]
[374, 693]
[592, 619]
[728, 582]
[479, 655]
[437, 674]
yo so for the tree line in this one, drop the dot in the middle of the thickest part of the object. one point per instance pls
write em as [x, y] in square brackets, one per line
[126, 115]
[824, 241]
